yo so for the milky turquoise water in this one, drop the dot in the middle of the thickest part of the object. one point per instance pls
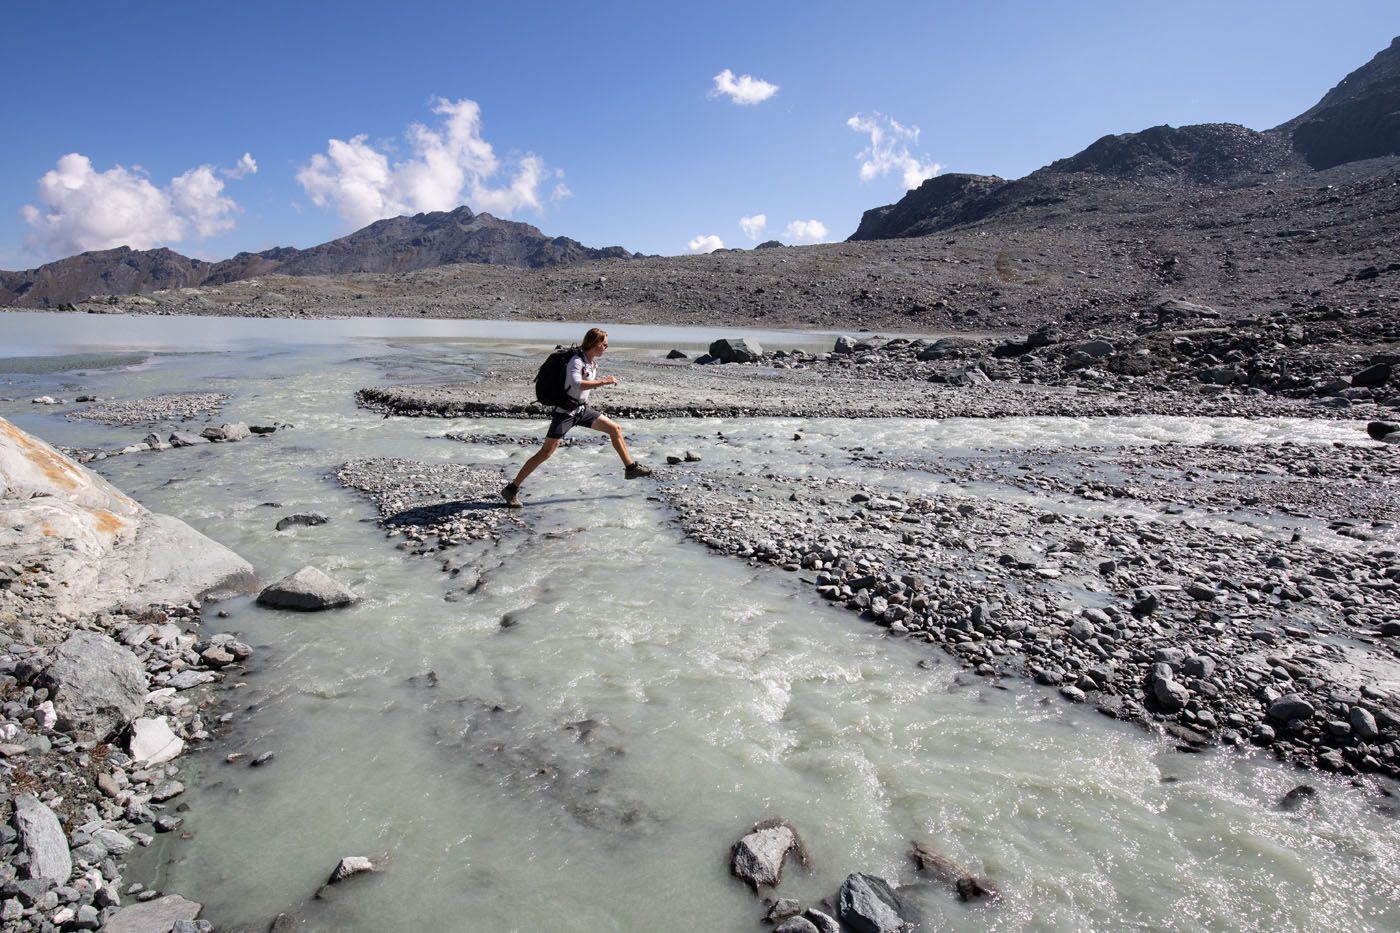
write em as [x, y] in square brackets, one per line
[615, 705]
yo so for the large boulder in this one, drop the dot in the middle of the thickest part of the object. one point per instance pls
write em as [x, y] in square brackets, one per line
[307, 590]
[757, 859]
[736, 351]
[98, 686]
[103, 550]
[1289, 707]
[1387, 432]
[1373, 377]
[42, 838]
[868, 904]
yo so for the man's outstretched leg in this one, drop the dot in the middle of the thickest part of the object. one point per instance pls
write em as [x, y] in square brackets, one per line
[633, 469]
[511, 493]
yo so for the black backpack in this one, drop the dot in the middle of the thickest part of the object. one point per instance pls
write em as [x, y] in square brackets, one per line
[549, 381]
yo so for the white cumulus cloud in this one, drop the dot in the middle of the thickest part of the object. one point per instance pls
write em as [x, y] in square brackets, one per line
[890, 150]
[450, 165]
[245, 166]
[82, 209]
[753, 226]
[805, 231]
[746, 89]
[706, 244]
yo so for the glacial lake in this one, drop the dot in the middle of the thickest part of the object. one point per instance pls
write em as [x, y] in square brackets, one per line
[587, 764]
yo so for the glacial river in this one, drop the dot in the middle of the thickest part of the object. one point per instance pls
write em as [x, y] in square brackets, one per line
[613, 706]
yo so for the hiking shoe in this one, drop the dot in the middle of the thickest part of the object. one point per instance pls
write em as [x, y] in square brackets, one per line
[512, 495]
[636, 471]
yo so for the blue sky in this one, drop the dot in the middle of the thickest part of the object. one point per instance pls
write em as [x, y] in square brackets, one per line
[600, 121]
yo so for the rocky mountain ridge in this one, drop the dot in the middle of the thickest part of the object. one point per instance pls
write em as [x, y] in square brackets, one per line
[398, 244]
[1235, 217]
[1357, 120]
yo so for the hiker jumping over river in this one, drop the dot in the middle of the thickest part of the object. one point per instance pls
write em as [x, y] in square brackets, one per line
[568, 403]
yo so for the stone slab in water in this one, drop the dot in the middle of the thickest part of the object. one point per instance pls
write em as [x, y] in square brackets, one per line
[307, 590]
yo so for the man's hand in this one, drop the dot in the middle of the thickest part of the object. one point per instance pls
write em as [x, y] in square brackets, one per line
[610, 380]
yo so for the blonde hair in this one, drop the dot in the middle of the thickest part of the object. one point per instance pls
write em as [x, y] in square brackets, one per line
[594, 337]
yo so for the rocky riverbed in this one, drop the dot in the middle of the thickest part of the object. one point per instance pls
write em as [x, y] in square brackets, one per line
[834, 619]
[106, 678]
[1203, 590]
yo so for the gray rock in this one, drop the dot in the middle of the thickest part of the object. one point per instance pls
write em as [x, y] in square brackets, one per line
[1363, 724]
[781, 909]
[1096, 349]
[157, 916]
[1176, 308]
[184, 680]
[307, 590]
[301, 518]
[823, 922]
[113, 841]
[153, 742]
[106, 548]
[41, 836]
[740, 350]
[796, 925]
[192, 926]
[843, 345]
[167, 790]
[97, 685]
[972, 376]
[939, 866]
[758, 858]
[1201, 592]
[1373, 376]
[28, 891]
[1202, 665]
[1297, 797]
[677, 355]
[216, 656]
[1385, 431]
[868, 904]
[186, 439]
[1290, 706]
[235, 431]
[1170, 695]
[350, 866]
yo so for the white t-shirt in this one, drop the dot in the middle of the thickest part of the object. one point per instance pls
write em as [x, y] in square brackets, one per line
[579, 371]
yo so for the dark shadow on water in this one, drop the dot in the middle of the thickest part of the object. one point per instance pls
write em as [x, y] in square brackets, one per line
[442, 511]
[446, 511]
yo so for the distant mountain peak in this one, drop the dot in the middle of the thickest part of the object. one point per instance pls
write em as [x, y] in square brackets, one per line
[394, 244]
[1200, 154]
[1358, 119]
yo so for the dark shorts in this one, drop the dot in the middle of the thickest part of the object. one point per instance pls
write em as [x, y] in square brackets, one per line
[561, 424]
